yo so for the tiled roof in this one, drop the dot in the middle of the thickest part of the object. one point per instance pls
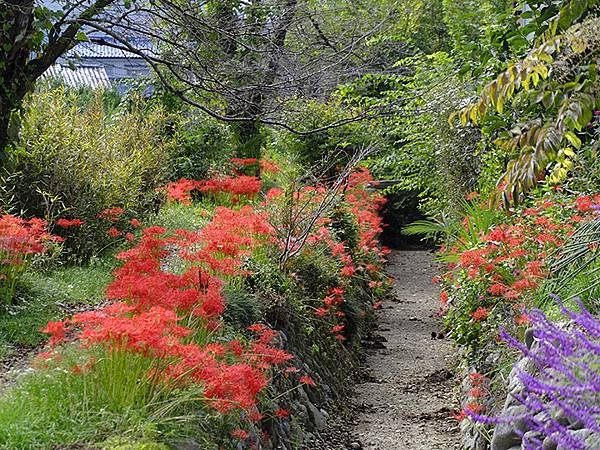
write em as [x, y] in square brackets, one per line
[100, 48]
[93, 77]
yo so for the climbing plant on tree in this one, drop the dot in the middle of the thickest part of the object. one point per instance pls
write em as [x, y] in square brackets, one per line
[537, 109]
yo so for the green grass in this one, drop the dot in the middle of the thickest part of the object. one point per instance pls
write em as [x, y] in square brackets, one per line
[187, 217]
[42, 297]
[108, 407]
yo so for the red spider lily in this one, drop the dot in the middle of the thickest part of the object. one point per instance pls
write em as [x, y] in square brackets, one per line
[274, 193]
[111, 214]
[478, 392]
[19, 237]
[497, 289]
[244, 162]
[240, 434]
[135, 223]
[68, 223]
[583, 203]
[477, 379]
[282, 413]
[444, 298]
[474, 407]
[336, 329]
[522, 319]
[480, 313]
[57, 332]
[180, 191]
[114, 232]
[459, 416]
[305, 379]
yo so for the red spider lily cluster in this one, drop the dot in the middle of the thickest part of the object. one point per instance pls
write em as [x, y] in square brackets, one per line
[364, 206]
[236, 187]
[120, 226]
[168, 298]
[20, 240]
[498, 274]
[265, 165]
[69, 223]
[151, 302]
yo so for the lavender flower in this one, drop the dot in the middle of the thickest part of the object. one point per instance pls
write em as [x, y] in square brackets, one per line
[566, 382]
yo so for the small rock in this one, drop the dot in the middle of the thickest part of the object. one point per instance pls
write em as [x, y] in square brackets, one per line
[549, 444]
[356, 445]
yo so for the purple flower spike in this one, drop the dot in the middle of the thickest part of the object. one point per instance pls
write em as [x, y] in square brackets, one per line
[566, 382]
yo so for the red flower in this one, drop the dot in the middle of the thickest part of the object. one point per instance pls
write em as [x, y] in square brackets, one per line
[57, 332]
[111, 214]
[68, 223]
[474, 408]
[583, 203]
[476, 378]
[497, 289]
[283, 413]
[113, 232]
[305, 379]
[522, 319]
[480, 313]
[444, 297]
[459, 416]
[240, 434]
[336, 329]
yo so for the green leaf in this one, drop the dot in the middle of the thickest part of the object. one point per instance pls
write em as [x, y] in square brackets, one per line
[573, 139]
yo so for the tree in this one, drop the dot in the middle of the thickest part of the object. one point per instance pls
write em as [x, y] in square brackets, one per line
[32, 38]
[237, 60]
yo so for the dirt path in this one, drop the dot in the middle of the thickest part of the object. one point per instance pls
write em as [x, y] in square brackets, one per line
[407, 401]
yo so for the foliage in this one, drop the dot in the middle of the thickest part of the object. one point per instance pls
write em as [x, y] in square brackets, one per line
[324, 150]
[420, 152]
[540, 106]
[493, 280]
[73, 162]
[201, 144]
[574, 269]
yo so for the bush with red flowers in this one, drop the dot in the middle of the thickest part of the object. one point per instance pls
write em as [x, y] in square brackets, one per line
[494, 280]
[20, 241]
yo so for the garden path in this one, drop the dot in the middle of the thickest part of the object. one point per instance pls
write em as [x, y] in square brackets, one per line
[407, 401]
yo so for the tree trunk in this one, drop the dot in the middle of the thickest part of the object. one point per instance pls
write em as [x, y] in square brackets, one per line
[4, 125]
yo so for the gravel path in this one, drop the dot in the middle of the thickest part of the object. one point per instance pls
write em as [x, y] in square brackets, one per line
[407, 402]
[406, 398]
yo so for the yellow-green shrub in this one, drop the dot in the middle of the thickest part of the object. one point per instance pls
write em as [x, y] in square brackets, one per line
[74, 160]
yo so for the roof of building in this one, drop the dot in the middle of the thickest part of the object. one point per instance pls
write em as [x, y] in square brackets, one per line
[77, 77]
[100, 47]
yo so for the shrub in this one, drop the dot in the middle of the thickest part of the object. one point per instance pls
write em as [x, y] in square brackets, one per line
[495, 274]
[202, 144]
[74, 161]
